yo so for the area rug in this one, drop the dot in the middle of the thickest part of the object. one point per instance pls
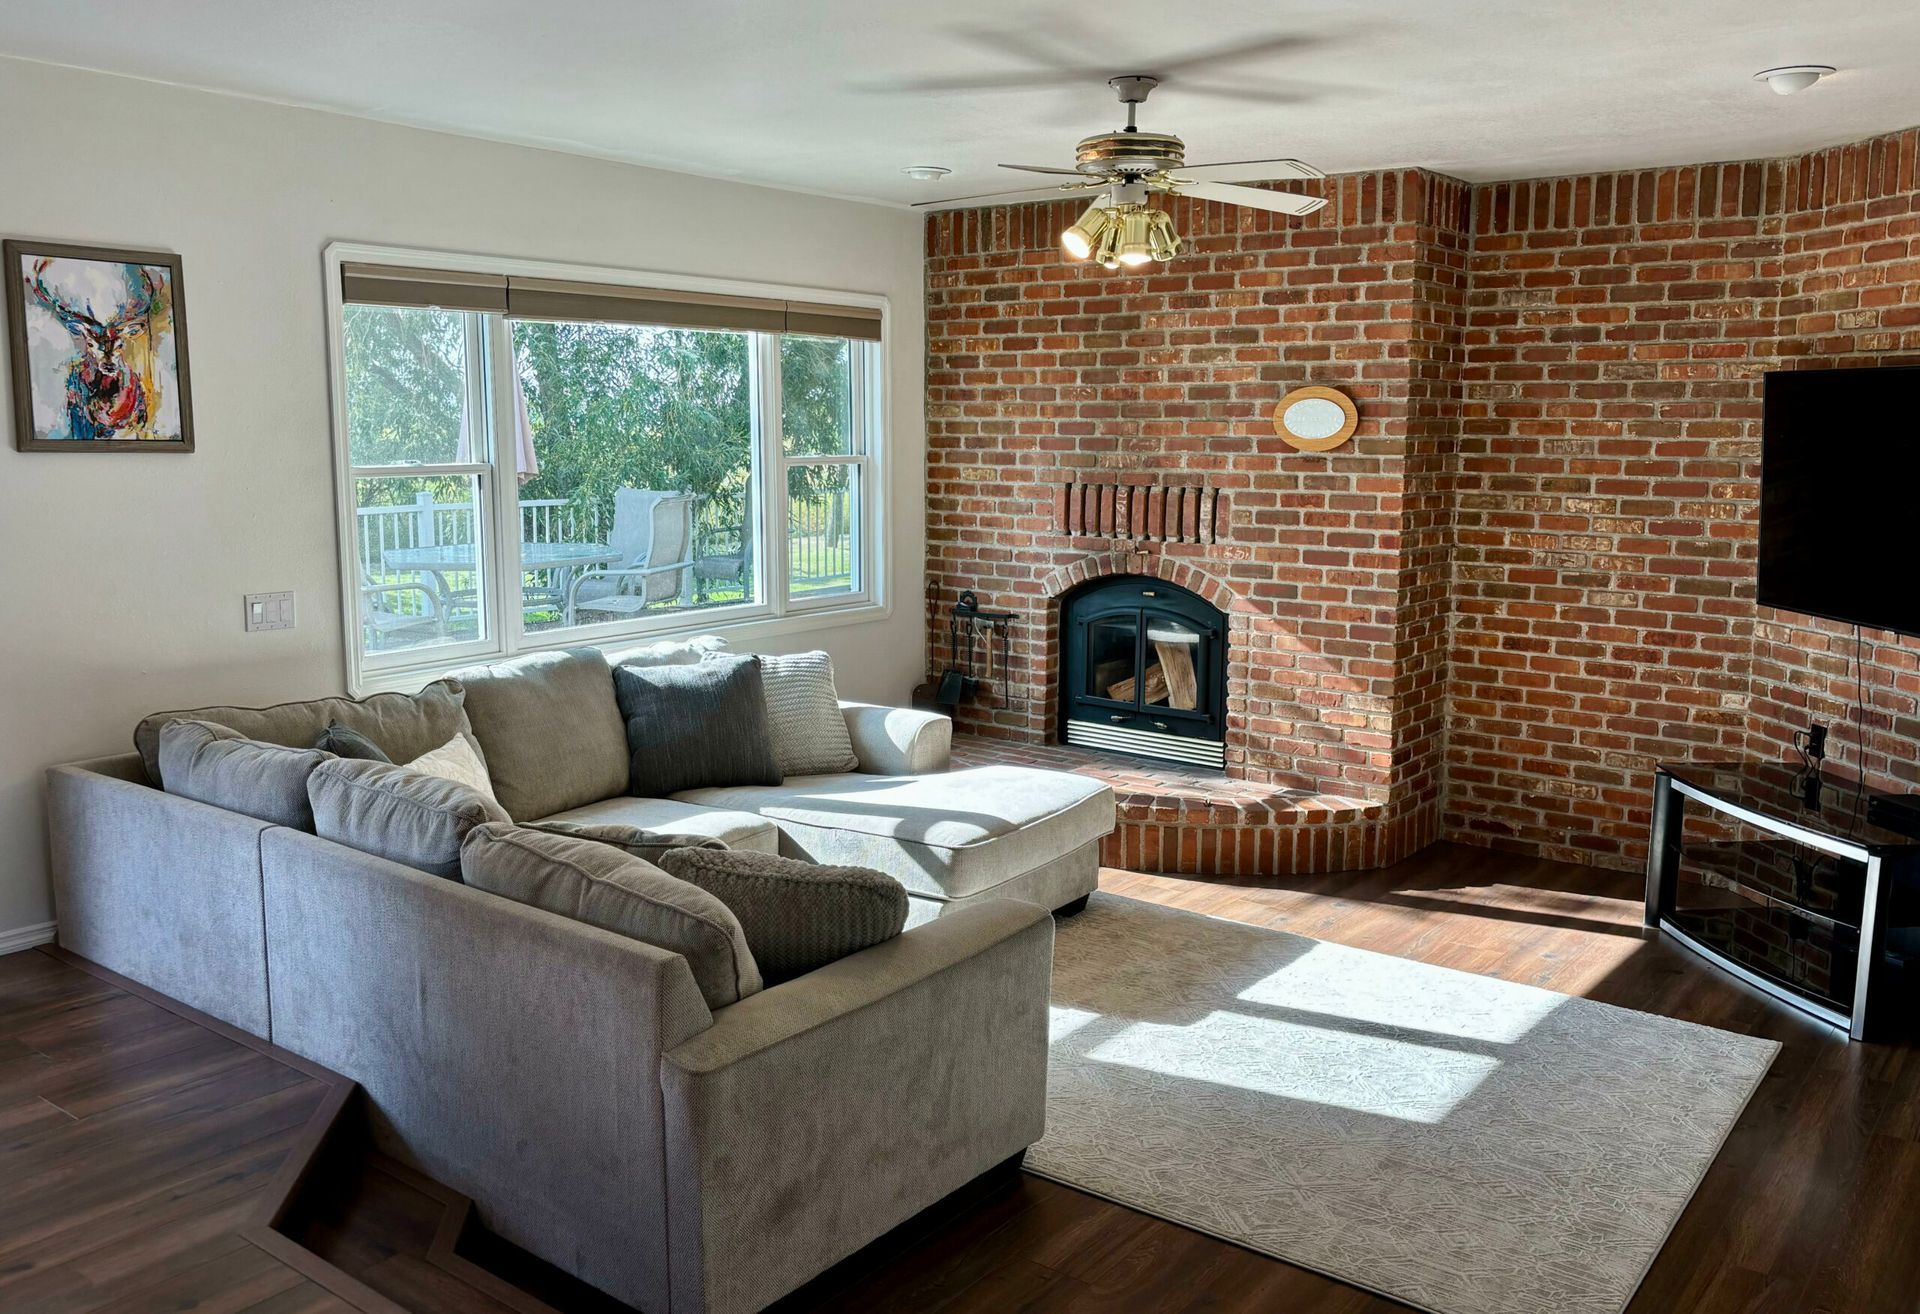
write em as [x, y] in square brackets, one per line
[1461, 1143]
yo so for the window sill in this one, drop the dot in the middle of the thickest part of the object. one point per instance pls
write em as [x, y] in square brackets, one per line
[745, 630]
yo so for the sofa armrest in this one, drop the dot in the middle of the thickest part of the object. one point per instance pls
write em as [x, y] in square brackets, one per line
[159, 888]
[898, 741]
[815, 1116]
[510, 1053]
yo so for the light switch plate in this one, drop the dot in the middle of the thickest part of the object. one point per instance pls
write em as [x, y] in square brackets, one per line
[269, 611]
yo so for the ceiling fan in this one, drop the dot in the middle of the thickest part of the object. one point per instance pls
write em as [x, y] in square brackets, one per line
[1123, 169]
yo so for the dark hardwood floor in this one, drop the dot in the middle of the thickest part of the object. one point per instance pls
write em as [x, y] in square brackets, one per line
[131, 1144]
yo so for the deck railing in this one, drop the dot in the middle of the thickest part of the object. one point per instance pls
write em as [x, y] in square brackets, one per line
[818, 540]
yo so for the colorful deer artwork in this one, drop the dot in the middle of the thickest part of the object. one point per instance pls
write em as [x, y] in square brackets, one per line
[105, 397]
[99, 349]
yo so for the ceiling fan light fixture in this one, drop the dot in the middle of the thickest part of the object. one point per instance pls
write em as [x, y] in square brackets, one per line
[1107, 249]
[1165, 242]
[1136, 239]
[1080, 240]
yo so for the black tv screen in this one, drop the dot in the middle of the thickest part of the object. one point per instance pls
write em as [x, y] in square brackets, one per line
[1840, 496]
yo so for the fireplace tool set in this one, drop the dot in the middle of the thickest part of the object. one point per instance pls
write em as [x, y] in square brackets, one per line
[978, 662]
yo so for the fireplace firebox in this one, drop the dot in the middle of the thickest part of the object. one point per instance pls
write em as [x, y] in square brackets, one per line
[1144, 670]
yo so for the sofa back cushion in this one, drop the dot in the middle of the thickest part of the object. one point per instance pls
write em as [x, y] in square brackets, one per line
[403, 725]
[397, 813]
[797, 916]
[550, 729]
[695, 726]
[217, 765]
[604, 887]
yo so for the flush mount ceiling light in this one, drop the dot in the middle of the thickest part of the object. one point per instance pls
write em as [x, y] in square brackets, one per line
[1793, 77]
[926, 172]
[1123, 169]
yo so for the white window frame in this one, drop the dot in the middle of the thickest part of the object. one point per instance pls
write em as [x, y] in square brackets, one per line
[498, 532]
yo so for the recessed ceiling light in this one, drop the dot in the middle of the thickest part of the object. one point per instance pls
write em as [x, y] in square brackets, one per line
[926, 172]
[1793, 77]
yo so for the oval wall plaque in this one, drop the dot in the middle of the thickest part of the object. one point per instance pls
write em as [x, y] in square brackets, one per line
[1315, 419]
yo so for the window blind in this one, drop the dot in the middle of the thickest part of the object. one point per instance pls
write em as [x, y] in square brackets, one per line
[561, 299]
[446, 289]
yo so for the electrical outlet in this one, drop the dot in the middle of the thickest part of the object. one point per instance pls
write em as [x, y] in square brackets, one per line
[269, 611]
[1816, 740]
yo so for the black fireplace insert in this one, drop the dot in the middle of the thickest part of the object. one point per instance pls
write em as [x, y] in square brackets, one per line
[1144, 670]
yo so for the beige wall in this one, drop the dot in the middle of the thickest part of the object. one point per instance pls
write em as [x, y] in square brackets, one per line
[121, 576]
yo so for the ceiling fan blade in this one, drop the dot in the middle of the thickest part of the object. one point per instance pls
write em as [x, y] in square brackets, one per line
[1234, 51]
[1066, 193]
[1257, 198]
[1233, 171]
[1044, 168]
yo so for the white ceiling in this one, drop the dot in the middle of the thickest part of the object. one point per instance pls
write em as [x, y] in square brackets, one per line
[837, 96]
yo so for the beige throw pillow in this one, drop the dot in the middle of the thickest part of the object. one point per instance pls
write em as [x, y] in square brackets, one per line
[459, 761]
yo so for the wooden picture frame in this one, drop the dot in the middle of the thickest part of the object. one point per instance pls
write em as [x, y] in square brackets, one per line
[1318, 437]
[127, 386]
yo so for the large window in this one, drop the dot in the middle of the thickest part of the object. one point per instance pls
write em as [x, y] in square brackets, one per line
[560, 469]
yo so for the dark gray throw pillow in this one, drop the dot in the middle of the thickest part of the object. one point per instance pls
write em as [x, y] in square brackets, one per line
[797, 916]
[695, 727]
[397, 813]
[345, 741]
[645, 844]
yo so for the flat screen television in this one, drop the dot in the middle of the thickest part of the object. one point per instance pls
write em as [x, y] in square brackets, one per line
[1840, 496]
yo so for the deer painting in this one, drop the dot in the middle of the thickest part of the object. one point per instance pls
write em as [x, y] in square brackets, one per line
[105, 398]
[99, 348]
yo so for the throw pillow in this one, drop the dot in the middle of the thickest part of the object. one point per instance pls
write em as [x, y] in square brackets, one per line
[647, 844]
[459, 761]
[695, 727]
[219, 766]
[344, 741]
[600, 885]
[395, 812]
[809, 733]
[797, 916]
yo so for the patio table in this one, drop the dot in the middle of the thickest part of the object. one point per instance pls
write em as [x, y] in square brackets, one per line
[447, 559]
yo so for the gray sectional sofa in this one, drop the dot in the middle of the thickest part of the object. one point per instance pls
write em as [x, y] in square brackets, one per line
[573, 1082]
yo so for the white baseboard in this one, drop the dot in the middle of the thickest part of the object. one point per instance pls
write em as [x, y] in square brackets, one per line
[25, 937]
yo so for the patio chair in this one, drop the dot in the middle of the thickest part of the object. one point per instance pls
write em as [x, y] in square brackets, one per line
[387, 626]
[724, 554]
[653, 539]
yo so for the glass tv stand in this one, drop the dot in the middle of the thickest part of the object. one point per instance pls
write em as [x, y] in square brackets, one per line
[1780, 877]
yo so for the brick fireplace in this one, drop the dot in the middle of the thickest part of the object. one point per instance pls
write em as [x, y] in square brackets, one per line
[1529, 576]
[1084, 426]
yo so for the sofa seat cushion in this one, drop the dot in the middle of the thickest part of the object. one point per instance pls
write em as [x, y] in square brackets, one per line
[550, 729]
[949, 834]
[403, 725]
[737, 830]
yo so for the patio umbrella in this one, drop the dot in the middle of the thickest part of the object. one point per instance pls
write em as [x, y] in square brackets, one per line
[526, 462]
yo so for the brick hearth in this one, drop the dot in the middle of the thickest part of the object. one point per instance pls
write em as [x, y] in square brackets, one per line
[1174, 819]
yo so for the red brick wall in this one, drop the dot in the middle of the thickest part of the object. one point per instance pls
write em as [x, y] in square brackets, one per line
[1531, 575]
[1606, 498]
[1331, 566]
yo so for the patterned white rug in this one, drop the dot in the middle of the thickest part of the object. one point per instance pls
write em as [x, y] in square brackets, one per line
[1457, 1142]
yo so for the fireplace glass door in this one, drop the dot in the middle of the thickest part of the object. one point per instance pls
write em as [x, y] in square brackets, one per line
[1145, 667]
